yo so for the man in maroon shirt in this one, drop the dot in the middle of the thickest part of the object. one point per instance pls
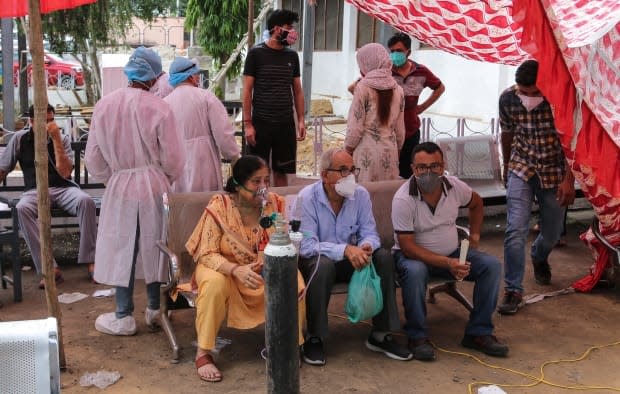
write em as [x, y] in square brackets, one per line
[413, 78]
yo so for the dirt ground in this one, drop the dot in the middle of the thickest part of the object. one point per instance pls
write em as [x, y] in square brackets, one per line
[561, 327]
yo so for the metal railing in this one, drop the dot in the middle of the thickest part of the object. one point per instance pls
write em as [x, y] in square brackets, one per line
[429, 131]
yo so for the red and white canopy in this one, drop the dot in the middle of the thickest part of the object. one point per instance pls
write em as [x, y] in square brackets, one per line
[478, 30]
[577, 43]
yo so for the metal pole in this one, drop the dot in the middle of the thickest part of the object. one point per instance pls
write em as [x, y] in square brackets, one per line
[308, 50]
[8, 88]
[281, 323]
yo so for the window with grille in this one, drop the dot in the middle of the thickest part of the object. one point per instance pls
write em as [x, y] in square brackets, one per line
[328, 23]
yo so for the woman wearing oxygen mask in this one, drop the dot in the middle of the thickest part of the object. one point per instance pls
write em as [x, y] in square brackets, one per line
[376, 125]
[227, 245]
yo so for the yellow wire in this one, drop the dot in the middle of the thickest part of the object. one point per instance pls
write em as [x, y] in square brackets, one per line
[537, 379]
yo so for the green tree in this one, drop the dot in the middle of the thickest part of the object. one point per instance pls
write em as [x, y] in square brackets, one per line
[83, 29]
[220, 25]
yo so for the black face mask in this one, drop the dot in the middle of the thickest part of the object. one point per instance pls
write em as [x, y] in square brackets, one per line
[283, 36]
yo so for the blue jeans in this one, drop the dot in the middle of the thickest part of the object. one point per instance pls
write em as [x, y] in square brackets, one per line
[413, 276]
[519, 199]
[124, 295]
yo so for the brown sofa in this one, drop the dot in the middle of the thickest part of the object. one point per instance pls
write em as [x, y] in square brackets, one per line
[183, 210]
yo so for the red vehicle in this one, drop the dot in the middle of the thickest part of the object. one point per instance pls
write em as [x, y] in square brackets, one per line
[61, 73]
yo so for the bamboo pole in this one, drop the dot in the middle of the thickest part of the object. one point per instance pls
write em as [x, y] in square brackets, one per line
[267, 4]
[250, 24]
[40, 161]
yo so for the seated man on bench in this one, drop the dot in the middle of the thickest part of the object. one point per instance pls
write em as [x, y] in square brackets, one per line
[337, 218]
[424, 212]
[63, 192]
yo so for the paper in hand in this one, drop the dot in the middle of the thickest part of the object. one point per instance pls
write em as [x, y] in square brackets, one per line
[463, 255]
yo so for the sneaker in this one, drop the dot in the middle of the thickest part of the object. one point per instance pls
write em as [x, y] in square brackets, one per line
[511, 303]
[422, 349]
[151, 317]
[542, 273]
[108, 323]
[313, 351]
[487, 344]
[389, 347]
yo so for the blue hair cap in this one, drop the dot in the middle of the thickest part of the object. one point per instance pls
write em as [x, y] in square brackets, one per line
[181, 69]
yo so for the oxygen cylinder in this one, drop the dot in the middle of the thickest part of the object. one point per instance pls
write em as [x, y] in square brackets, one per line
[281, 323]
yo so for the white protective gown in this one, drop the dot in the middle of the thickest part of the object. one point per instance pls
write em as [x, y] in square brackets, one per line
[208, 133]
[134, 148]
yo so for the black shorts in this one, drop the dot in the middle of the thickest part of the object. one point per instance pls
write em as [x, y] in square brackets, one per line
[278, 139]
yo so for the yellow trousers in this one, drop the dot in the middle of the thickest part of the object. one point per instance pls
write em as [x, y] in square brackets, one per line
[246, 307]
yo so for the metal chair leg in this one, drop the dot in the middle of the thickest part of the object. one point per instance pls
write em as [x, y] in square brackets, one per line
[450, 289]
[167, 327]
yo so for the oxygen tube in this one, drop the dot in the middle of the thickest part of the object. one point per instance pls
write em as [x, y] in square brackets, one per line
[296, 237]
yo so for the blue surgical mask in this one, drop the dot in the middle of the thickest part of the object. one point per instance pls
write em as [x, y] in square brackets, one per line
[398, 58]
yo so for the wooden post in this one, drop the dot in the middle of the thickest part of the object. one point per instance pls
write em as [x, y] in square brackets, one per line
[40, 161]
[250, 24]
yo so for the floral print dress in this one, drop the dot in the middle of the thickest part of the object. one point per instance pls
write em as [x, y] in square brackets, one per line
[375, 146]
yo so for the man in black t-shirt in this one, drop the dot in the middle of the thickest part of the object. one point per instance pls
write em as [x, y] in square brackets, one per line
[271, 86]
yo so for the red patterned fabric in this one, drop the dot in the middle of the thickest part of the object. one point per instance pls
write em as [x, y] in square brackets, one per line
[14, 8]
[480, 30]
[582, 84]
[577, 43]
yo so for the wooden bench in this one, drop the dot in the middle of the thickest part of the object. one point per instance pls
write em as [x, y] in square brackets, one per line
[9, 234]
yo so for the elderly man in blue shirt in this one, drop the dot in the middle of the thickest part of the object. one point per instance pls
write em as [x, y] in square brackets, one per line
[340, 235]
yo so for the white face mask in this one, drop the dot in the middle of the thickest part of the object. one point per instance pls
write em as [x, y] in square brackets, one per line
[346, 186]
[530, 102]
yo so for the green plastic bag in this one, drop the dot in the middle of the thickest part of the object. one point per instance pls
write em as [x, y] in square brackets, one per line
[364, 299]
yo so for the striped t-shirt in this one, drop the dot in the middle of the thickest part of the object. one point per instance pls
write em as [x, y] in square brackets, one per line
[273, 71]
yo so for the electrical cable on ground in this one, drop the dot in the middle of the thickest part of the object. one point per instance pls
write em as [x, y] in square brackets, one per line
[536, 379]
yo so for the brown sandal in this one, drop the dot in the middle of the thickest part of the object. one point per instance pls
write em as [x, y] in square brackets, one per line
[201, 362]
[57, 278]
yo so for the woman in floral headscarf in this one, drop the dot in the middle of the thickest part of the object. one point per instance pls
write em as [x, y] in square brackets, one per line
[376, 127]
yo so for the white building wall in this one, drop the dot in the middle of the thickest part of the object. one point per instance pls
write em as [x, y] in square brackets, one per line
[472, 87]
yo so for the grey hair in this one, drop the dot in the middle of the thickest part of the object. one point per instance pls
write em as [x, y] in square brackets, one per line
[327, 156]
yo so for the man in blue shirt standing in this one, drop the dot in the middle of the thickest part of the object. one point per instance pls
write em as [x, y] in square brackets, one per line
[341, 236]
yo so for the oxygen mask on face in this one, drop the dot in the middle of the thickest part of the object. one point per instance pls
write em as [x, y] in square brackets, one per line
[264, 221]
[262, 194]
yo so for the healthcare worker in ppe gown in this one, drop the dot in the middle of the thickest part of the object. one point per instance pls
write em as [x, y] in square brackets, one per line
[203, 123]
[161, 87]
[134, 148]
